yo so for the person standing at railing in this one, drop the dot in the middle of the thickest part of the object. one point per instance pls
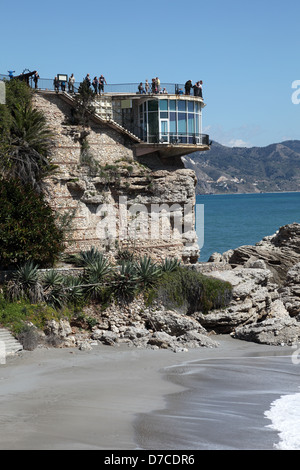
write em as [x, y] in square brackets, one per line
[200, 86]
[71, 83]
[157, 81]
[197, 89]
[88, 80]
[147, 86]
[153, 86]
[188, 85]
[101, 84]
[95, 85]
[141, 89]
[56, 84]
[36, 79]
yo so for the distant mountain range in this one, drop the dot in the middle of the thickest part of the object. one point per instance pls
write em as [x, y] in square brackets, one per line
[275, 168]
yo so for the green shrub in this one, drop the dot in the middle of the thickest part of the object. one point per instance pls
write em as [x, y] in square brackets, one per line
[191, 291]
[16, 315]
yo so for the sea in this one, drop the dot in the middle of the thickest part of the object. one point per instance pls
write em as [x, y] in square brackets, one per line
[232, 220]
[248, 400]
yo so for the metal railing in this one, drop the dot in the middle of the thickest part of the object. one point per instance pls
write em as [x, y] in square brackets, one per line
[121, 88]
[131, 88]
[178, 138]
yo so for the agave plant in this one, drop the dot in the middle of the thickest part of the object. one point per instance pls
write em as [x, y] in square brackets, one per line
[94, 276]
[170, 264]
[73, 290]
[125, 255]
[52, 279]
[148, 272]
[25, 284]
[53, 284]
[85, 258]
[125, 282]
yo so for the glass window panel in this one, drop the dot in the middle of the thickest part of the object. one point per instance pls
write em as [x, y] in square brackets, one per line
[181, 105]
[191, 124]
[182, 123]
[172, 105]
[197, 107]
[197, 124]
[164, 115]
[153, 123]
[164, 127]
[190, 106]
[172, 122]
[152, 105]
[163, 105]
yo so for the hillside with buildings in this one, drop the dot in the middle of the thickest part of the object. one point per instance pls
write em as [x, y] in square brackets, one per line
[222, 169]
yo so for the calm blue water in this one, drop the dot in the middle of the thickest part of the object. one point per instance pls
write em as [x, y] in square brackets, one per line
[234, 220]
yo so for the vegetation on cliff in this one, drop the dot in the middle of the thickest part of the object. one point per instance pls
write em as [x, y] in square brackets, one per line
[28, 226]
[25, 141]
[28, 230]
[51, 294]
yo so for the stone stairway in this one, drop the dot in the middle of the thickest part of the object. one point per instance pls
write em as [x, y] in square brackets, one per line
[8, 344]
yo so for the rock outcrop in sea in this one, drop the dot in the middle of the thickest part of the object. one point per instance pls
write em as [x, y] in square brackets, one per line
[266, 290]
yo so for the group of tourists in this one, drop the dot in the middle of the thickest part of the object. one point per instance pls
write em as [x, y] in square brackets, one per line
[61, 83]
[96, 83]
[147, 88]
[155, 88]
[197, 87]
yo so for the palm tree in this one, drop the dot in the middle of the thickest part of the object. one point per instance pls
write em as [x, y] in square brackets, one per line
[25, 140]
[30, 141]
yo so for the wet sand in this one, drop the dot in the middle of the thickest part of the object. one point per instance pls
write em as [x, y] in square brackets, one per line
[102, 399]
[223, 404]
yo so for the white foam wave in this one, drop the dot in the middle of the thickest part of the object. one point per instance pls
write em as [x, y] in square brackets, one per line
[285, 416]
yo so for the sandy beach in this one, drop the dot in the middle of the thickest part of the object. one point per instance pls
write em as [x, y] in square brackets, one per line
[53, 399]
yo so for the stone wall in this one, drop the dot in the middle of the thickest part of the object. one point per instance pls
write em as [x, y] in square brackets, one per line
[114, 199]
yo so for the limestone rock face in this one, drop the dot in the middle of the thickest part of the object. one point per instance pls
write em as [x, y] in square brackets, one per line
[279, 252]
[153, 329]
[273, 331]
[261, 309]
[252, 296]
[290, 292]
[111, 197]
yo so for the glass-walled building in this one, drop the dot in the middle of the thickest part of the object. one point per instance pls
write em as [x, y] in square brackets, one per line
[174, 120]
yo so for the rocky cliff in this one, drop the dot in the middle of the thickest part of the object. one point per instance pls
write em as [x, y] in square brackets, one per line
[114, 199]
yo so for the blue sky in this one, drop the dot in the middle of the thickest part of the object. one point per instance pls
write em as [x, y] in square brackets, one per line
[246, 53]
